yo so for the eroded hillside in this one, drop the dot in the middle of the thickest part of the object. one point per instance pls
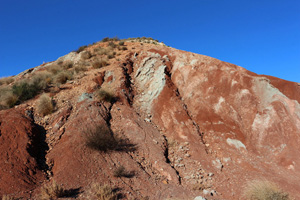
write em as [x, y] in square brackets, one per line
[176, 125]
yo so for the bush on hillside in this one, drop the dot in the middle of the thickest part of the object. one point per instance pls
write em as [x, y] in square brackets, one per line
[100, 63]
[264, 190]
[52, 191]
[6, 80]
[45, 105]
[100, 138]
[102, 192]
[62, 77]
[82, 48]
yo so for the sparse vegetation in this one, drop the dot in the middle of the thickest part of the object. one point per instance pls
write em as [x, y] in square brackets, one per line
[45, 105]
[100, 138]
[103, 95]
[54, 68]
[80, 68]
[7, 197]
[107, 39]
[6, 80]
[82, 48]
[52, 191]
[112, 45]
[103, 192]
[111, 55]
[264, 190]
[100, 63]
[86, 55]
[121, 43]
[122, 172]
[62, 77]
[67, 65]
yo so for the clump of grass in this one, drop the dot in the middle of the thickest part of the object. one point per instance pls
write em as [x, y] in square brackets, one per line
[80, 68]
[62, 77]
[67, 64]
[104, 95]
[100, 138]
[123, 48]
[8, 197]
[100, 63]
[25, 89]
[103, 192]
[52, 191]
[121, 43]
[54, 68]
[122, 172]
[45, 105]
[112, 45]
[107, 39]
[101, 51]
[264, 190]
[86, 55]
[111, 55]
[6, 80]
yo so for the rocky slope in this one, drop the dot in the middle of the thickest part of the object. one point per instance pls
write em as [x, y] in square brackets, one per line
[192, 126]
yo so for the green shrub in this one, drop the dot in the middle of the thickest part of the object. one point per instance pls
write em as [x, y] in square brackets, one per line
[102, 192]
[7, 98]
[264, 190]
[27, 89]
[45, 105]
[121, 43]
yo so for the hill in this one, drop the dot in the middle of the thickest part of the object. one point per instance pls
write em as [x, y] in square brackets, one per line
[149, 122]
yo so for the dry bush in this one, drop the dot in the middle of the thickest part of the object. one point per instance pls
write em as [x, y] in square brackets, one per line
[86, 55]
[101, 51]
[102, 192]
[121, 43]
[100, 138]
[264, 190]
[54, 68]
[122, 172]
[7, 98]
[52, 191]
[45, 105]
[42, 79]
[7, 197]
[6, 80]
[80, 68]
[112, 45]
[100, 63]
[62, 77]
[111, 55]
[82, 48]
[124, 48]
[67, 64]
[106, 96]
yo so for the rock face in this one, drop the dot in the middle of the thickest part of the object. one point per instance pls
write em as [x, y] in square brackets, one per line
[195, 127]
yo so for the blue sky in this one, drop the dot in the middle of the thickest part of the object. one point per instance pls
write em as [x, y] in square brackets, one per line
[262, 36]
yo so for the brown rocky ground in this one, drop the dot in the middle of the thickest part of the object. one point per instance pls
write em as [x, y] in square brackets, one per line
[192, 126]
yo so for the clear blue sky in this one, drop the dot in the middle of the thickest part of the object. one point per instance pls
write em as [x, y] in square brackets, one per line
[262, 36]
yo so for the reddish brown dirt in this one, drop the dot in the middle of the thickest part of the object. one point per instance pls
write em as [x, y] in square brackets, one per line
[192, 124]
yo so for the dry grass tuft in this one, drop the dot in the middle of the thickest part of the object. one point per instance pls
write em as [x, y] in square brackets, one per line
[45, 105]
[6, 80]
[52, 191]
[86, 55]
[106, 96]
[7, 197]
[103, 192]
[264, 190]
[100, 63]
[100, 138]
[62, 77]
